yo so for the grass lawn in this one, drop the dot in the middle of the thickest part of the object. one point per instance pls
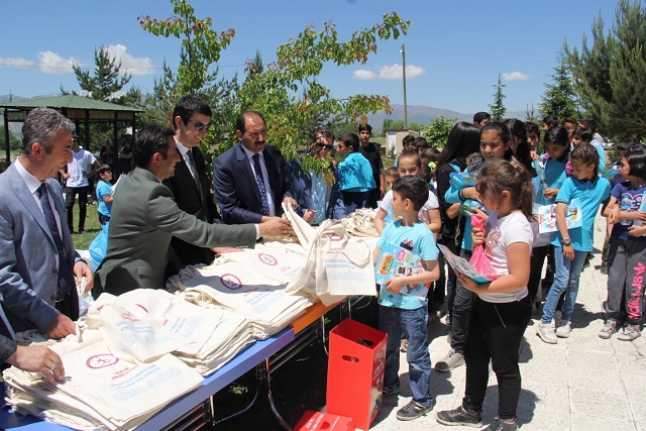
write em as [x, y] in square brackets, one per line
[92, 227]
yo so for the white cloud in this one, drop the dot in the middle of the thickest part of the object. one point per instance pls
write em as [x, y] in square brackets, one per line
[515, 76]
[364, 74]
[394, 71]
[15, 63]
[129, 63]
[52, 63]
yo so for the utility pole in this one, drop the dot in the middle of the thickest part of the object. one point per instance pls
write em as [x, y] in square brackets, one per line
[403, 51]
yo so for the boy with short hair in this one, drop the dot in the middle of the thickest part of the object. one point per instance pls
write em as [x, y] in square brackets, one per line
[104, 194]
[391, 175]
[406, 262]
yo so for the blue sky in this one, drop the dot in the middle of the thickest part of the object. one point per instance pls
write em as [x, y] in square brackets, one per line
[456, 48]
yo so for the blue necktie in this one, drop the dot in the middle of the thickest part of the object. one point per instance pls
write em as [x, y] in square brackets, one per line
[260, 183]
[53, 229]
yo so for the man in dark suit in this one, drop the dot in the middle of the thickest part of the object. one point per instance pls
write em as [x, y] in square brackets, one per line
[190, 185]
[145, 217]
[38, 263]
[251, 180]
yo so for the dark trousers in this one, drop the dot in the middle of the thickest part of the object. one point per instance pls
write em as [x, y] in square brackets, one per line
[538, 258]
[353, 201]
[494, 335]
[626, 275]
[103, 219]
[437, 292]
[373, 198]
[461, 313]
[70, 198]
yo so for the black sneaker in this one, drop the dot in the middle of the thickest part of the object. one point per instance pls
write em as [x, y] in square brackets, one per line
[459, 417]
[413, 410]
[500, 425]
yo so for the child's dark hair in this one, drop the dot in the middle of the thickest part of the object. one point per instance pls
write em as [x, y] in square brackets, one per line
[558, 136]
[411, 154]
[464, 139]
[351, 140]
[413, 188]
[391, 172]
[365, 127]
[583, 134]
[636, 157]
[586, 154]
[409, 140]
[518, 130]
[499, 128]
[532, 128]
[104, 168]
[420, 143]
[498, 175]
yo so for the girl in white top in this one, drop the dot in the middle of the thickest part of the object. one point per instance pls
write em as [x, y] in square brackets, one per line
[501, 309]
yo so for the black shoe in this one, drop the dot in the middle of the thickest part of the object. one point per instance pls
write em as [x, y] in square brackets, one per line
[413, 410]
[500, 425]
[459, 417]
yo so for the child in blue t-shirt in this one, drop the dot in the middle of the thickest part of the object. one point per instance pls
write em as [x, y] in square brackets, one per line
[571, 247]
[104, 194]
[406, 262]
[627, 247]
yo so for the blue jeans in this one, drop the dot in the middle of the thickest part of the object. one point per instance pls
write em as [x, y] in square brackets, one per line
[566, 279]
[414, 323]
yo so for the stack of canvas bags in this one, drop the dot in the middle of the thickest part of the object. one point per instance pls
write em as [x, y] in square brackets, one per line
[263, 301]
[101, 390]
[145, 324]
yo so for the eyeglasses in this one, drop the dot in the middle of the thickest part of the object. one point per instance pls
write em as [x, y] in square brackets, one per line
[200, 127]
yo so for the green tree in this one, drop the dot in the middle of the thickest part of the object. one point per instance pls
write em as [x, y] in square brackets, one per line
[559, 99]
[610, 75]
[437, 131]
[106, 81]
[497, 108]
[255, 66]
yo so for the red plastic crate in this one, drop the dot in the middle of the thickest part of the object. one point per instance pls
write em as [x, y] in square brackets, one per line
[318, 421]
[355, 376]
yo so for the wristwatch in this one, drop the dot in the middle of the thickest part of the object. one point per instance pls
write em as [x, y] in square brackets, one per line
[566, 241]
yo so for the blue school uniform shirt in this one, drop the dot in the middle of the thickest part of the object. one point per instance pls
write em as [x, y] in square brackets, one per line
[355, 173]
[552, 177]
[420, 241]
[452, 196]
[590, 194]
[629, 198]
[103, 189]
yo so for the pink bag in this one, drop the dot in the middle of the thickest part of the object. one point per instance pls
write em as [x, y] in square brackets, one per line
[479, 259]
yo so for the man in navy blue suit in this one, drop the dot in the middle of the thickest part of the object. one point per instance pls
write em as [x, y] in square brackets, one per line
[250, 180]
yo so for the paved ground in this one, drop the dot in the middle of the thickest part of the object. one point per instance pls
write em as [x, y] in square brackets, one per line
[582, 384]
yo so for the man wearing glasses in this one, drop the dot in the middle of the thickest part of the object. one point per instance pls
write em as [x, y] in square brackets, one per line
[190, 185]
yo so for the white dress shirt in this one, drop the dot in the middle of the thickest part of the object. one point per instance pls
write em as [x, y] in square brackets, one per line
[265, 177]
[32, 184]
[183, 151]
[79, 168]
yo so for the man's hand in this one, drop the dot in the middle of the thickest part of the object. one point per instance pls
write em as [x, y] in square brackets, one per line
[82, 270]
[637, 231]
[62, 327]
[39, 359]
[224, 250]
[274, 226]
[287, 200]
[308, 215]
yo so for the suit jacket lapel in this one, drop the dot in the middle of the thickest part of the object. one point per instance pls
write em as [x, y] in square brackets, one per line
[183, 172]
[246, 172]
[23, 194]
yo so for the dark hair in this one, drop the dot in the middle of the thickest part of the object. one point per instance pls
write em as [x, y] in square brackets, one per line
[421, 143]
[365, 127]
[636, 156]
[569, 120]
[589, 123]
[327, 133]
[583, 134]
[497, 175]
[351, 140]
[518, 130]
[189, 105]
[558, 136]
[151, 140]
[586, 154]
[532, 128]
[413, 188]
[105, 168]
[464, 139]
[430, 153]
[411, 154]
[392, 172]
[241, 120]
[551, 121]
[408, 140]
[479, 116]
[499, 128]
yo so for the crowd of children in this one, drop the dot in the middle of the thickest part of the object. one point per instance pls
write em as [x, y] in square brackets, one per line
[506, 176]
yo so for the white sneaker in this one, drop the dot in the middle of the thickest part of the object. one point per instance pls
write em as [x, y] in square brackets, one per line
[451, 361]
[546, 332]
[564, 330]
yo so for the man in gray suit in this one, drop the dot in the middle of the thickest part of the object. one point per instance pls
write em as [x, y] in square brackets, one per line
[145, 217]
[37, 260]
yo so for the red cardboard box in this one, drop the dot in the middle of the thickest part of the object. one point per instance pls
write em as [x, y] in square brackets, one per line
[318, 421]
[355, 376]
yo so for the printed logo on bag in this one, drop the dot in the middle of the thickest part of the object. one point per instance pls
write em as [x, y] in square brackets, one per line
[335, 237]
[267, 259]
[230, 281]
[129, 316]
[102, 360]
